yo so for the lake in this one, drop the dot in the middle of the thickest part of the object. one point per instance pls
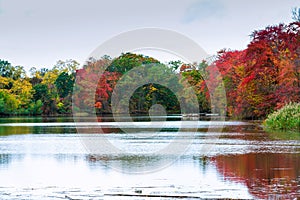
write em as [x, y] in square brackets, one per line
[55, 158]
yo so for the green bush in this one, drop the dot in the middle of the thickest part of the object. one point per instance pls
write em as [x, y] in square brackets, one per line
[35, 108]
[285, 119]
[8, 103]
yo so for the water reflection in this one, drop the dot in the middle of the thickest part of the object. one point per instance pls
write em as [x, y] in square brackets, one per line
[7, 130]
[5, 159]
[267, 175]
[45, 154]
[16, 130]
[203, 162]
[35, 125]
[133, 164]
[35, 119]
[65, 158]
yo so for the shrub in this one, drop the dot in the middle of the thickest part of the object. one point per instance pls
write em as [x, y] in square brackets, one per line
[286, 119]
[35, 108]
[8, 103]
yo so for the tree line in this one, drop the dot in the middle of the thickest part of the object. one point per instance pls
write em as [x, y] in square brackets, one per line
[258, 80]
[44, 91]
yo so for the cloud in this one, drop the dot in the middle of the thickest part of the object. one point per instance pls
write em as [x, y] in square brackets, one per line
[203, 9]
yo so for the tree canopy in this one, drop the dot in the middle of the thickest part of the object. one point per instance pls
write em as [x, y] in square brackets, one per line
[258, 80]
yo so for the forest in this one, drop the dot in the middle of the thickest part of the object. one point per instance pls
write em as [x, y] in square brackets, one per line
[258, 80]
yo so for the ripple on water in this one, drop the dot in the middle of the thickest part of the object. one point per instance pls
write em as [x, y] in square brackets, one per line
[47, 165]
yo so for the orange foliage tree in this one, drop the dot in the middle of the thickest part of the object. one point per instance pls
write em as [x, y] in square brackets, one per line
[266, 75]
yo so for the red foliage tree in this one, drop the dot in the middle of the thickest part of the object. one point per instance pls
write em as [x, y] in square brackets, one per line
[266, 75]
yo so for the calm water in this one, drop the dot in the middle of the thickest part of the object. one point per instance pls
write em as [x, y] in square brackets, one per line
[45, 158]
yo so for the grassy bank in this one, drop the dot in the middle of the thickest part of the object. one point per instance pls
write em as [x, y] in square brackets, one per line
[285, 119]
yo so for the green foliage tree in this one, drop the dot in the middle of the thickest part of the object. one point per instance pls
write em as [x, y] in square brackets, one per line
[40, 92]
[8, 103]
[196, 74]
[9, 71]
[174, 65]
[64, 84]
[258, 80]
[5, 68]
[128, 61]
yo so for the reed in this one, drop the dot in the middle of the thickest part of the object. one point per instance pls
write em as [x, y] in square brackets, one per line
[285, 119]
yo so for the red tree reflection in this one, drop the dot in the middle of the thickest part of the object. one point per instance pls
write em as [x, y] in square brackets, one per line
[267, 175]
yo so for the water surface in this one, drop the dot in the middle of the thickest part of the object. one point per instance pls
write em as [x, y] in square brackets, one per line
[45, 158]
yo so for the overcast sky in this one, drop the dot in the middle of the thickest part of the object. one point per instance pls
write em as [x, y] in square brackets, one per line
[37, 33]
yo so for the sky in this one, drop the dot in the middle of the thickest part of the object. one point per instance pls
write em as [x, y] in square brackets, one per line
[38, 33]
